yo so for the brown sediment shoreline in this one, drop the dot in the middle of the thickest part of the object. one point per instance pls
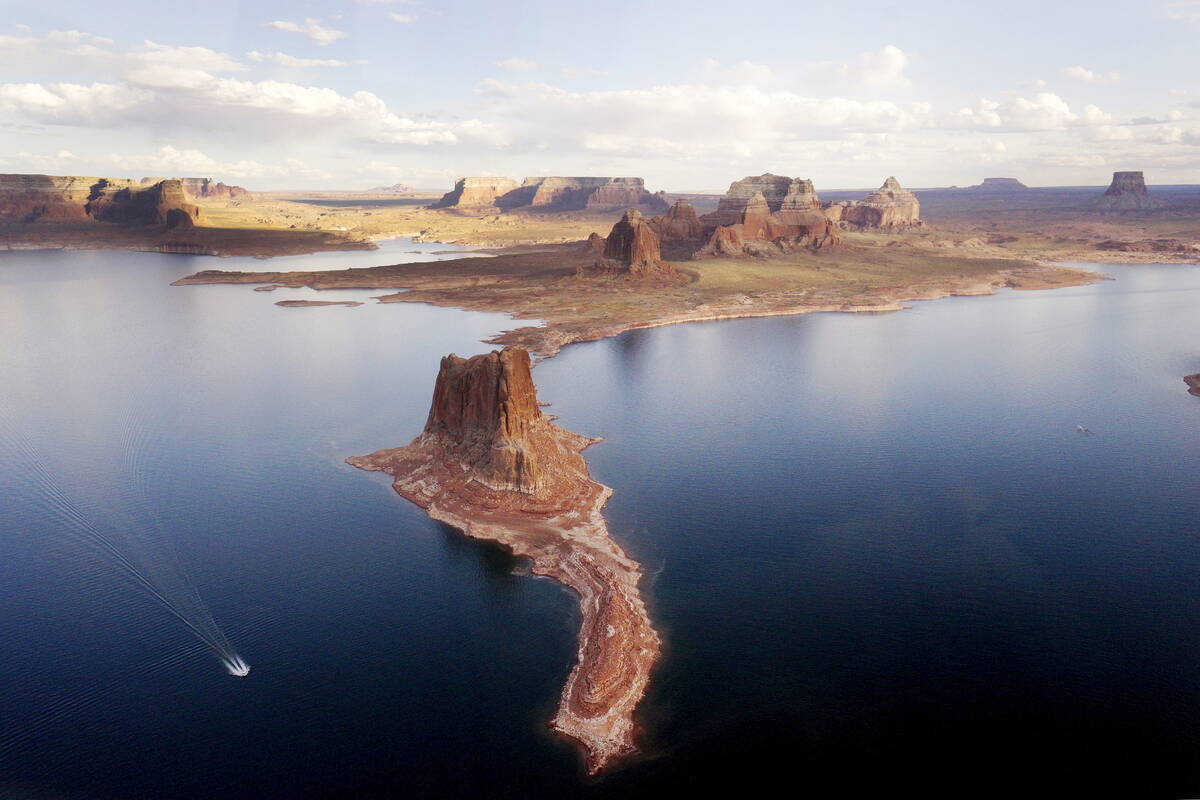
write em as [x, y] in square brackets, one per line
[492, 465]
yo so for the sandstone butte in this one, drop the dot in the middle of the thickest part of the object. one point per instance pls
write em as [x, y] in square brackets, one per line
[489, 463]
[632, 247]
[1128, 192]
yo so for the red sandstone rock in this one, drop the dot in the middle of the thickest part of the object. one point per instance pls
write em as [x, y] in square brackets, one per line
[679, 224]
[634, 245]
[491, 464]
[1193, 384]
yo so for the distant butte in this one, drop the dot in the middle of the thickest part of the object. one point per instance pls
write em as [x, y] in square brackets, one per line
[1128, 192]
[492, 465]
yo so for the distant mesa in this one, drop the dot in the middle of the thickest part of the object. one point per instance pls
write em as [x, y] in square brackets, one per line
[395, 188]
[1128, 192]
[890, 207]
[52, 198]
[999, 185]
[552, 194]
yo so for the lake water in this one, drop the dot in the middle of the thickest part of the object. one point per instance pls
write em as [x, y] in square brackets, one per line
[879, 552]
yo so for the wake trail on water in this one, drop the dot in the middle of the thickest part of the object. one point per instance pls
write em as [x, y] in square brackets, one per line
[136, 542]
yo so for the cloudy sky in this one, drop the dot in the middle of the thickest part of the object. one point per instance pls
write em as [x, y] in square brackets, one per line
[689, 95]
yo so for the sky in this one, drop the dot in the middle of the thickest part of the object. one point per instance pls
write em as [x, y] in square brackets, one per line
[350, 94]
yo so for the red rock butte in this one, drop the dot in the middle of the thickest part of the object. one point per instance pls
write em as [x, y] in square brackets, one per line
[489, 463]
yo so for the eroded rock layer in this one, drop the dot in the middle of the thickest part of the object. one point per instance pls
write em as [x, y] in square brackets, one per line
[491, 464]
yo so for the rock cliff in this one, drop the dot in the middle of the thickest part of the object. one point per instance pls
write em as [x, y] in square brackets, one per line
[33, 198]
[475, 192]
[485, 413]
[1128, 192]
[491, 464]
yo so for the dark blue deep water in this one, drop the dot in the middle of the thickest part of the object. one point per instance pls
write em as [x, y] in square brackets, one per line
[881, 556]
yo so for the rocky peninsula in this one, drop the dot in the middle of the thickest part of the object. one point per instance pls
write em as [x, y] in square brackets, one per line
[489, 463]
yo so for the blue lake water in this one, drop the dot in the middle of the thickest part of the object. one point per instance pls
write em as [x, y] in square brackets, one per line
[879, 552]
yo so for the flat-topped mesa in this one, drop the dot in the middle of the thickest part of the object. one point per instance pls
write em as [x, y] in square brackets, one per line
[680, 223]
[889, 207]
[54, 198]
[492, 465]
[1128, 192]
[475, 192]
[998, 185]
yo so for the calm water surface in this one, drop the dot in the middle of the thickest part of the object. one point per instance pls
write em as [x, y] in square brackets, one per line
[878, 550]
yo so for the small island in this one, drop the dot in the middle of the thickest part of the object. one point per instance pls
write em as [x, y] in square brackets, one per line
[492, 465]
[317, 303]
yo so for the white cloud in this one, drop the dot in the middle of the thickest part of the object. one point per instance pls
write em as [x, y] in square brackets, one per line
[685, 120]
[1184, 11]
[1086, 75]
[572, 73]
[312, 28]
[875, 70]
[284, 60]
[517, 64]
[401, 18]
[1042, 112]
[884, 67]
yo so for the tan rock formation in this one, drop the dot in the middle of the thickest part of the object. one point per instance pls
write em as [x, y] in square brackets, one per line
[1193, 384]
[475, 192]
[1128, 192]
[889, 207]
[491, 464]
